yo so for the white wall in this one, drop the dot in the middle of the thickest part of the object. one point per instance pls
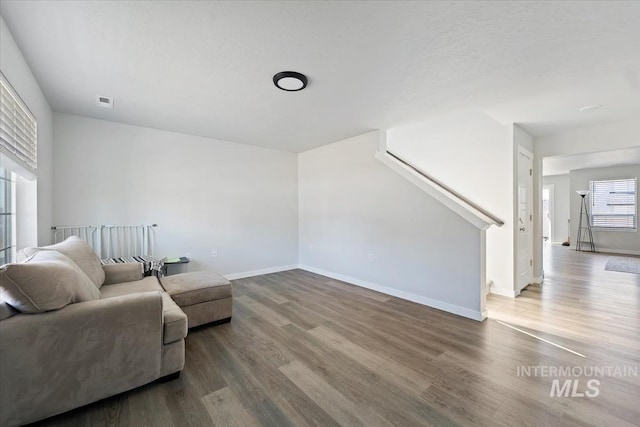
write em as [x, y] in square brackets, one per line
[561, 206]
[204, 194]
[16, 70]
[473, 154]
[26, 213]
[605, 241]
[522, 139]
[362, 222]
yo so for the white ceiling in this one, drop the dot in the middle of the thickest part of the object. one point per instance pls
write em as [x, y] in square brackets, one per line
[205, 68]
[554, 111]
[560, 165]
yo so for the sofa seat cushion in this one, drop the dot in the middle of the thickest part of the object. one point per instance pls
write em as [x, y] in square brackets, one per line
[188, 289]
[46, 281]
[175, 323]
[79, 252]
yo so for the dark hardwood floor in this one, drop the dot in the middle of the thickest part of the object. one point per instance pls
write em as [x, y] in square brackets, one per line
[304, 349]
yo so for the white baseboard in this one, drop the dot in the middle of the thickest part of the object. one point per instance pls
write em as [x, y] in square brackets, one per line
[236, 276]
[440, 305]
[617, 251]
[612, 251]
[505, 292]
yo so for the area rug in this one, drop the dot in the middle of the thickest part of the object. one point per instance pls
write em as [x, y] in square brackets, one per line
[623, 264]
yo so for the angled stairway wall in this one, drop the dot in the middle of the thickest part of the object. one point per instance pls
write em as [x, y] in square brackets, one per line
[472, 154]
[361, 222]
[468, 210]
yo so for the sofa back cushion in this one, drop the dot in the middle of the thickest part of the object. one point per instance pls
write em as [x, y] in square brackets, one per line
[48, 280]
[80, 253]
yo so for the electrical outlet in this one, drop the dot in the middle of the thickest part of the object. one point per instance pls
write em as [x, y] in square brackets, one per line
[370, 257]
[214, 253]
[310, 246]
[188, 255]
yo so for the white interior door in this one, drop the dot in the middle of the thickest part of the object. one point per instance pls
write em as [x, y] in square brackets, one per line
[525, 218]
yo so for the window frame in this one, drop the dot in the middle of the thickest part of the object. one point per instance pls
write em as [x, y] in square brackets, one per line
[592, 204]
[25, 123]
[8, 216]
[18, 158]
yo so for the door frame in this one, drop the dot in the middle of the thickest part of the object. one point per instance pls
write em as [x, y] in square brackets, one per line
[552, 202]
[521, 150]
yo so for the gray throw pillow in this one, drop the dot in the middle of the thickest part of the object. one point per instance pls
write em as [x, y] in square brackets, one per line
[80, 253]
[46, 281]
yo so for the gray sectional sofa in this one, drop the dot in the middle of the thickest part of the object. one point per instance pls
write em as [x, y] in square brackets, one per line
[73, 332]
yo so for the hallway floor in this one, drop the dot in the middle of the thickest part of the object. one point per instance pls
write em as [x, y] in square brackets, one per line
[588, 310]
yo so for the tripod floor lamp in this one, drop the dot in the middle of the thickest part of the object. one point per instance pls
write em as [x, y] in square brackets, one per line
[585, 235]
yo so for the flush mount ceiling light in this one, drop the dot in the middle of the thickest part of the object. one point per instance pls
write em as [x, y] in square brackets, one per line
[589, 108]
[290, 81]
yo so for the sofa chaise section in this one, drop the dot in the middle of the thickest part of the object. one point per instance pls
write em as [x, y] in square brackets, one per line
[107, 332]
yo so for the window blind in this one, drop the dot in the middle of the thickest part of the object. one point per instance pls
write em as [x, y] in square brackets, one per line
[613, 204]
[18, 128]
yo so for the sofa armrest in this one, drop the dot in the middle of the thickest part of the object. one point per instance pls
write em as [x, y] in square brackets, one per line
[124, 272]
[59, 360]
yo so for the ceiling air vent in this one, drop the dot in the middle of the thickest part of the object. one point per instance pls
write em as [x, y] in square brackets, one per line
[104, 101]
